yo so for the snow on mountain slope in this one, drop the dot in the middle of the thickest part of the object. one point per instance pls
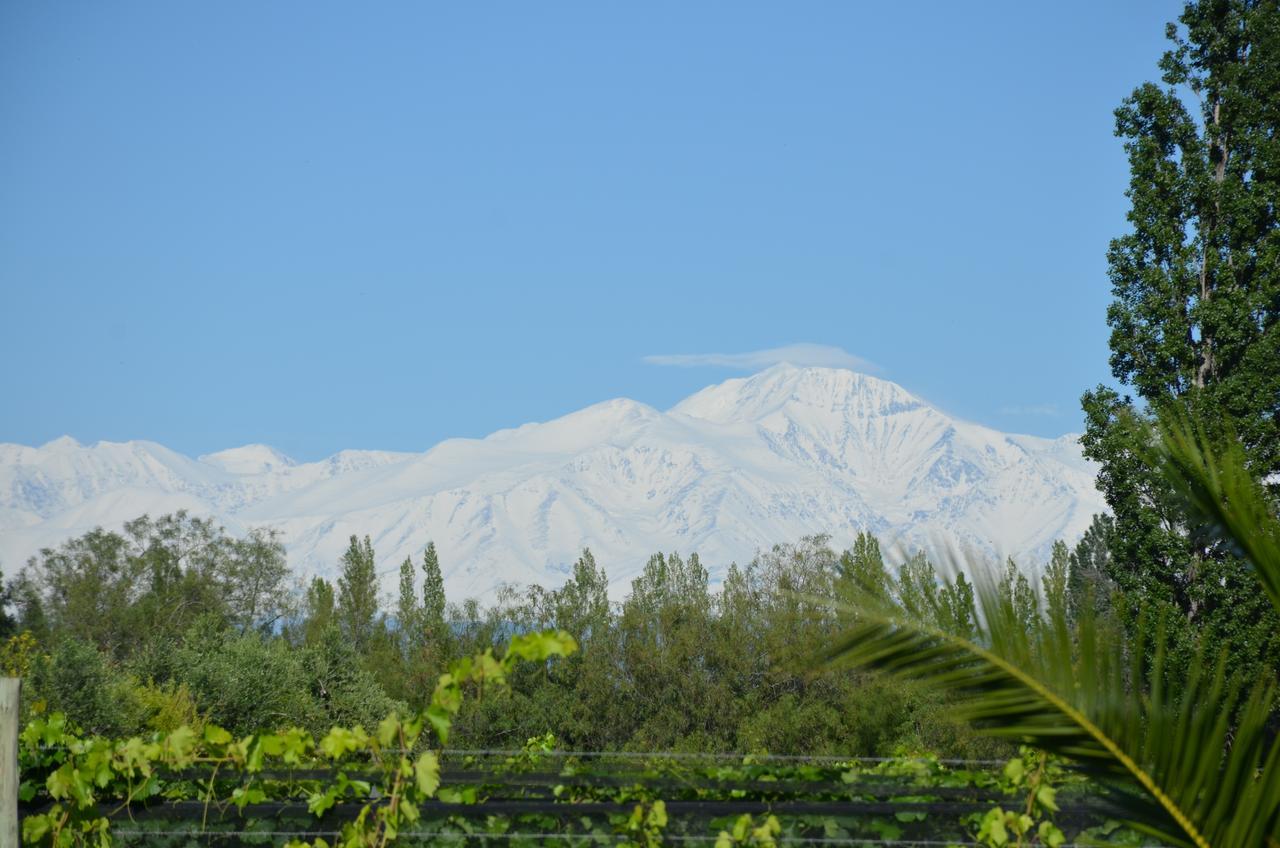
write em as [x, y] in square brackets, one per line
[250, 459]
[731, 469]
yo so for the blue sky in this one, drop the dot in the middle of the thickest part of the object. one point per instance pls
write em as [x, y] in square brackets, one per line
[330, 225]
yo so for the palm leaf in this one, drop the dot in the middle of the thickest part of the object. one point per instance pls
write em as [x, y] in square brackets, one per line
[1036, 692]
[1202, 767]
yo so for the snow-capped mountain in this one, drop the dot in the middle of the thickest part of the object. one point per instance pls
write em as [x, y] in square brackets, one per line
[734, 468]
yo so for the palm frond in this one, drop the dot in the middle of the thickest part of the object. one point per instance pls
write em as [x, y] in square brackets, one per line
[1203, 767]
[1195, 755]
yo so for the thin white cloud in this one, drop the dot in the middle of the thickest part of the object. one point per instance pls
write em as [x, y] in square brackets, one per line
[801, 355]
[1034, 409]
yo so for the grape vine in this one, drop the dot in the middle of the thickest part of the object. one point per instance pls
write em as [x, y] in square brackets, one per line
[357, 788]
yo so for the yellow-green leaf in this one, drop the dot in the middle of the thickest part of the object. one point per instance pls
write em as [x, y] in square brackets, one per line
[427, 773]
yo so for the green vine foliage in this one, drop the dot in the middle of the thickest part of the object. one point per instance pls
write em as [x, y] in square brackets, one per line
[374, 787]
[90, 780]
[1033, 775]
[745, 831]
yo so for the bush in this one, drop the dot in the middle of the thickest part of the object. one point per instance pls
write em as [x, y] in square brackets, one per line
[243, 682]
[80, 681]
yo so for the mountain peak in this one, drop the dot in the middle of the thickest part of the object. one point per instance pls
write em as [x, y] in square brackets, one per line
[784, 386]
[600, 422]
[61, 443]
[248, 459]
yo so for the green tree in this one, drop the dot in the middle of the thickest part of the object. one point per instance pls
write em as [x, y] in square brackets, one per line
[244, 682]
[408, 610]
[77, 679]
[256, 581]
[1197, 279]
[862, 565]
[946, 603]
[1196, 317]
[582, 603]
[319, 608]
[433, 599]
[957, 609]
[1057, 575]
[145, 585]
[85, 587]
[588, 678]
[342, 691]
[30, 605]
[357, 607]
[1015, 586]
[1087, 581]
[668, 690]
[917, 585]
[8, 595]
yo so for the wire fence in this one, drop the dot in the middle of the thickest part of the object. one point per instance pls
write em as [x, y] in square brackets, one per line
[716, 756]
[825, 759]
[579, 797]
[590, 838]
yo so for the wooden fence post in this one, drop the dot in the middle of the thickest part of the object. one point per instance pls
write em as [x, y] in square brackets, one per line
[9, 689]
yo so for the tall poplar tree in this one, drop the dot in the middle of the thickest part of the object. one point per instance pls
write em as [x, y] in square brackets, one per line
[433, 600]
[582, 603]
[320, 607]
[408, 610]
[358, 593]
[862, 566]
[1196, 317]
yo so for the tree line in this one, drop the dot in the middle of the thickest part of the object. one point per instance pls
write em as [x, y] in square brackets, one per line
[173, 621]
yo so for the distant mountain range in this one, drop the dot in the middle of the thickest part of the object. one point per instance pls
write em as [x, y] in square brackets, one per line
[734, 468]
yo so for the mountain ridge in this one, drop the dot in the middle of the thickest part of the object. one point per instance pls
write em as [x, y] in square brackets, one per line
[737, 466]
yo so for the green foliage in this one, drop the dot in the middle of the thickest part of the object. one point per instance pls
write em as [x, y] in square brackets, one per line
[17, 654]
[1033, 776]
[1056, 577]
[581, 606]
[79, 772]
[166, 707]
[1193, 584]
[390, 783]
[244, 681]
[1221, 497]
[124, 592]
[86, 685]
[863, 566]
[341, 688]
[1023, 602]
[678, 665]
[746, 832]
[1197, 279]
[8, 624]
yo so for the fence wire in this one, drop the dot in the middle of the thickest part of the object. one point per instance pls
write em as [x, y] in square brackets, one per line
[719, 757]
[946, 800]
[571, 837]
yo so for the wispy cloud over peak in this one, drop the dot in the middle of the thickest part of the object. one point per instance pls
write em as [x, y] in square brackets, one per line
[803, 354]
